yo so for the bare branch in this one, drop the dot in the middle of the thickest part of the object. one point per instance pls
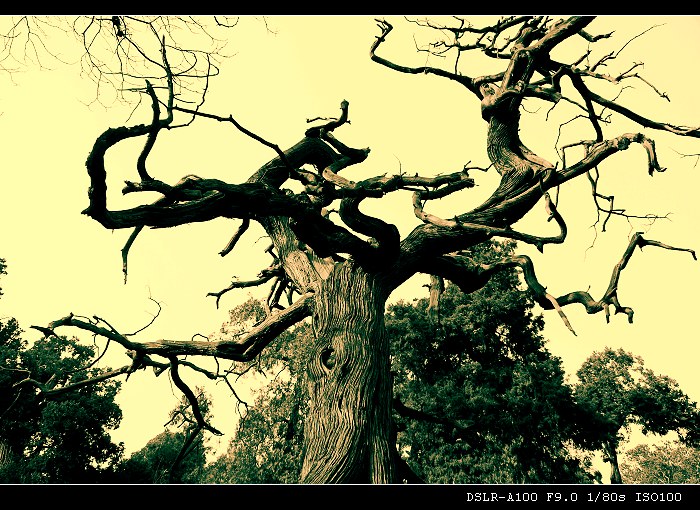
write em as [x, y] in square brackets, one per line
[192, 399]
[593, 38]
[276, 291]
[236, 237]
[265, 276]
[386, 28]
[436, 288]
[50, 391]
[470, 277]
[127, 247]
[244, 348]
[593, 178]
[156, 125]
[609, 297]
[194, 199]
[596, 152]
[693, 132]
[276, 148]
[153, 319]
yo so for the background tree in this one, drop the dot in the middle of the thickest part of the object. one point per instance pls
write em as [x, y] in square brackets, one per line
[54, 427]
[338, 264]
[10, 343]
[478, 397]
[616, 385]
[668, 462]
[10, 340]
[267, 445]
[177, 455]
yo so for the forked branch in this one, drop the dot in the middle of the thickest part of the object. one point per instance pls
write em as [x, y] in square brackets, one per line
[263, 277]
[471, 277]
[610, 296]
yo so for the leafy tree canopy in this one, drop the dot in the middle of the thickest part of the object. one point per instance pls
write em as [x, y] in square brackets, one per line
[617, 386]
[667, 462]
[60, 437]
[491, 401]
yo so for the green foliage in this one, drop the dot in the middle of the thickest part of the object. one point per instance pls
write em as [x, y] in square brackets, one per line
[3, 270]
[617, 388]
[156, 463]
[242, 317]
[54, 439]
[268, 442]
[623, 393]
[669, 462]
[482, 400]
[267, 446]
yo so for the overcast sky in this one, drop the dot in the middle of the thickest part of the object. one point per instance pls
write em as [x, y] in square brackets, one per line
[60, 261]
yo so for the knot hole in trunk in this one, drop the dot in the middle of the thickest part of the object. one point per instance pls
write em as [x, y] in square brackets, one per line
[328, 357]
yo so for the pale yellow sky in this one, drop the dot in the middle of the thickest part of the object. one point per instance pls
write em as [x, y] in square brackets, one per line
[60, 261]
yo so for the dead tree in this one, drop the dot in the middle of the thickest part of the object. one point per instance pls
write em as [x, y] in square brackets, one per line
[338, 266]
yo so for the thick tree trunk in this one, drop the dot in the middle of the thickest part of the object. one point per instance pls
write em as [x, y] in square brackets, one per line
[610, 452]
[347, 434]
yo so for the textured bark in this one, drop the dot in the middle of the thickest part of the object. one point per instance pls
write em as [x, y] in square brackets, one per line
[4, 454]
[348, 428]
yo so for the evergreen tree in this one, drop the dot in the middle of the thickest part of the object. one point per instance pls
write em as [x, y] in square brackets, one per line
[267, 447]
[54, 439]
[478, 398]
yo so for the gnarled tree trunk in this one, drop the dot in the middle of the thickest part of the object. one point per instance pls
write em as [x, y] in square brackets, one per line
[348, 429]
